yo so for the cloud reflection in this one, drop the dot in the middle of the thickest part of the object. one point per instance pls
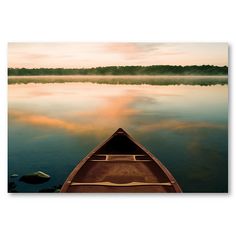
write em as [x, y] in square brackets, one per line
[43, 121]
[103, 109]
[115, 108]
[105, 120]
[178, 126]
[111, 115]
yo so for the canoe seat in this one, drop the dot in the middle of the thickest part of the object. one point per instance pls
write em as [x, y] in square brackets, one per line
[110, 184]
[119, 157]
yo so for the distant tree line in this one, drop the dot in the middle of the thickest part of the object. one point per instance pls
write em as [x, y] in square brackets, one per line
[125, 70]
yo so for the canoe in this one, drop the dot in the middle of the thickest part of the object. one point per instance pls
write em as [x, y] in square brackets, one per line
[120, 164]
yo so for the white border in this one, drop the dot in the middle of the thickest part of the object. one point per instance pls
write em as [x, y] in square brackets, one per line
[105, 21]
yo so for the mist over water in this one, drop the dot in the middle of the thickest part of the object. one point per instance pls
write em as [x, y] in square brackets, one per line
[53, 126]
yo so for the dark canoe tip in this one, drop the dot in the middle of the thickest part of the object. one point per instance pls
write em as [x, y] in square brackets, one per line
[120, 131]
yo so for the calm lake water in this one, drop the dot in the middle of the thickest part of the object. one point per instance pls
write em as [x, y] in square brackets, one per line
[53, 126]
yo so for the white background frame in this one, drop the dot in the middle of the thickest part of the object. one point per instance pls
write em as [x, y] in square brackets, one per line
[116, 21]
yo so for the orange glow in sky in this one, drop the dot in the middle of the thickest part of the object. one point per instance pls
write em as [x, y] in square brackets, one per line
[86, 55]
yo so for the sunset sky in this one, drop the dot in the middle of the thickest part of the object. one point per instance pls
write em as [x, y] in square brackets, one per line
[86, 55]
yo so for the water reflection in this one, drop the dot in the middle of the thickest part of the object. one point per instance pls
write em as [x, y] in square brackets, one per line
[192, 120]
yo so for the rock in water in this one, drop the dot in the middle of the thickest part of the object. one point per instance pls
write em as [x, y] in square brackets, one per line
[38, 177]
[14, 175]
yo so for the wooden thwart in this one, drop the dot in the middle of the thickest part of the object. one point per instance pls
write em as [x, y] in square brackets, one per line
[122, 160]
[120, 185]
[120, 157]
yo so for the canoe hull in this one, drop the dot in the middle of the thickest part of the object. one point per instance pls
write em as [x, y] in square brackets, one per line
[120, 164]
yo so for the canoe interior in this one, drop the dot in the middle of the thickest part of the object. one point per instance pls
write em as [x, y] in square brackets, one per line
[120, 165]
[120, 144]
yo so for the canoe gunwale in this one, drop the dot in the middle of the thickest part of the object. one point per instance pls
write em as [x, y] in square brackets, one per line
[81, 163]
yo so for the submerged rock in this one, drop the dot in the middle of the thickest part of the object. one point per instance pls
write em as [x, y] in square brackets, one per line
[12, 187]
[54, 189]
[38, 177]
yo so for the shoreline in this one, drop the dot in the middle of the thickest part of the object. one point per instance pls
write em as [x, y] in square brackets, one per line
[113, 76]
[132, 80]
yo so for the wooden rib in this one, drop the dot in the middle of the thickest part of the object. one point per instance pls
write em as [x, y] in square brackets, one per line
[139, 155]
[120, 185]
[122, 160]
